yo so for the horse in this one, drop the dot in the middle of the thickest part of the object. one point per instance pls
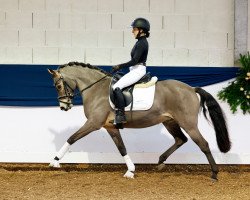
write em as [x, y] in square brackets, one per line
[176, 105]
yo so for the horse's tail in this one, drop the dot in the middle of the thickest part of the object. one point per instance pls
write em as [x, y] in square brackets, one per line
[217, 117]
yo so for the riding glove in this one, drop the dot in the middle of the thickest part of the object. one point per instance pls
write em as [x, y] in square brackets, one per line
[115, 68]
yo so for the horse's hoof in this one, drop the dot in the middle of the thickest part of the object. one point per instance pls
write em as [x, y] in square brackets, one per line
[129, 174]
[161, 166]
[55, 164]
[214, 178]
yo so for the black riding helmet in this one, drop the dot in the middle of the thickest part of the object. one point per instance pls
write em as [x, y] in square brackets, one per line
[141, 23]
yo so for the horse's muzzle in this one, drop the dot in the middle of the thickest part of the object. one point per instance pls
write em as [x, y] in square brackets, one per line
[65, 107]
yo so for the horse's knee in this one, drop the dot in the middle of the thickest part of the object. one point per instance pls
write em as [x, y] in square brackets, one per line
[75, 137]
[85, 130]
[181, 140]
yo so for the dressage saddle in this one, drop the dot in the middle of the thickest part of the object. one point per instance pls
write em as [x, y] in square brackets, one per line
[128, 91]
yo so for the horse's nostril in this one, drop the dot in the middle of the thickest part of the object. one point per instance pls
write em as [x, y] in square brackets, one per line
[62, 108]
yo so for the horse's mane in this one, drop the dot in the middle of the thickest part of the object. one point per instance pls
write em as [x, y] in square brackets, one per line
[83, 65]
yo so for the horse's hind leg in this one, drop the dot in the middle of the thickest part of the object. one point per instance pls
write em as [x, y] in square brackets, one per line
[116, 136]
[196, 136]
[174, 129]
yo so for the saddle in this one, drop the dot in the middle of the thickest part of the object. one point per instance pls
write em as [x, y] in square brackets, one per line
[128, 91]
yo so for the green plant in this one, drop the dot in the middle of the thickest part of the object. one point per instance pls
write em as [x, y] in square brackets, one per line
[237, 93]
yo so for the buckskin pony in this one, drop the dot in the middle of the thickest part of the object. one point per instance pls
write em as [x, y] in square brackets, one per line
[176, 105]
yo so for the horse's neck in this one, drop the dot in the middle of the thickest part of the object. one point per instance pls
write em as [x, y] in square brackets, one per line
[85, 77]
[94, 90]
[90, 77]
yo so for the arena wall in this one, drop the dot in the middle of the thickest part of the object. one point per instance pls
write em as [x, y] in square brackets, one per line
[188, 33]
[34, 135]
[184, 33]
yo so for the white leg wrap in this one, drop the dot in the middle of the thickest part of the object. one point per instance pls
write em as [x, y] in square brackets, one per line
[60, 154]
[55, 163]
[63, 150]
[129, 163]
[129, 174]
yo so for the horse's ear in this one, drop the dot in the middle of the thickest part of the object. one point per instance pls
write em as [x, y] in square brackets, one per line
[52, 72]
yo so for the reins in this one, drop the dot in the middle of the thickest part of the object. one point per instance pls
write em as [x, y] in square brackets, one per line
[78, 93]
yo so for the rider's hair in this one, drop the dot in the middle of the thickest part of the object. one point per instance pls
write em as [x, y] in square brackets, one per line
[147, 34]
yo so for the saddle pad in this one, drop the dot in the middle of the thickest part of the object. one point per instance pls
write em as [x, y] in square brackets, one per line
[143, 99]
[153, 80]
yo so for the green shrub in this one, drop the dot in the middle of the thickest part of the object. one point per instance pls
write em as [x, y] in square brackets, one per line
[237, 93]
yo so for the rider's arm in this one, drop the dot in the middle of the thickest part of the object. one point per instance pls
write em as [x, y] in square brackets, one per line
[140, 48]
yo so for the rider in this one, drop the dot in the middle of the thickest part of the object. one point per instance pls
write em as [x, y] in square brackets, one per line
[137, 66]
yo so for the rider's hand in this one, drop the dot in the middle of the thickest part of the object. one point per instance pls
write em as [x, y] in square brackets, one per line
[115, 69]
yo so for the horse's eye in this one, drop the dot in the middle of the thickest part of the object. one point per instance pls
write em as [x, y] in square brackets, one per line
[58, 87]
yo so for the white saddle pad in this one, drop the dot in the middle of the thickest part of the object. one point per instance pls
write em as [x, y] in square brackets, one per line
[143, 96]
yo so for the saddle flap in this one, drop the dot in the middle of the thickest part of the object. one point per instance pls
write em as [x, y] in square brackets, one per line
[128, 91]
[126, 94]
[143, 99]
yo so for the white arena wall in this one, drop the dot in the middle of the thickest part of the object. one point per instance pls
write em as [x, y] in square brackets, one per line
[34, 135]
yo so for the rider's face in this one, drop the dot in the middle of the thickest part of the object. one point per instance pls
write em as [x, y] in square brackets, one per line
[135, 31]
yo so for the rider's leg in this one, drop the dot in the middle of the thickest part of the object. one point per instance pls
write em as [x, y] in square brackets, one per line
[136, 73]
[120, 105]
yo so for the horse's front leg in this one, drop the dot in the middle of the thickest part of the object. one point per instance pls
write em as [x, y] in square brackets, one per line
[116, 136]
[87, 128]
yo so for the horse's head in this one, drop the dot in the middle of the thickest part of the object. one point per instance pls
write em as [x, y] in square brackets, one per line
[64, 89]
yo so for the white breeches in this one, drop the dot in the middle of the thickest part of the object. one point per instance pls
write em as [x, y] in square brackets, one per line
[135, 74]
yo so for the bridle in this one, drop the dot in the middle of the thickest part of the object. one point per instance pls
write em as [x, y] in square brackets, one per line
[69, 92]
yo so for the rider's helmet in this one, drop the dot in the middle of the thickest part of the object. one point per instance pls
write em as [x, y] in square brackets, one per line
[141, 23]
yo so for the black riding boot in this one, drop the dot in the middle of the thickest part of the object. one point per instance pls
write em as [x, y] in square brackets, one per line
[120, 105]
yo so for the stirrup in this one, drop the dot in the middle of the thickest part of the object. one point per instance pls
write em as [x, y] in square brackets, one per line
[119, 125]
[120, 120]
[120, 117]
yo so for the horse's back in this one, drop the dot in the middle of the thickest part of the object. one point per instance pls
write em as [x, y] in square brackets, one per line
[175, 84]
[175, 87]
[177, 98]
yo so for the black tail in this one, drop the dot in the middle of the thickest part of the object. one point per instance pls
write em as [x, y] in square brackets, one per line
[217, 117]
